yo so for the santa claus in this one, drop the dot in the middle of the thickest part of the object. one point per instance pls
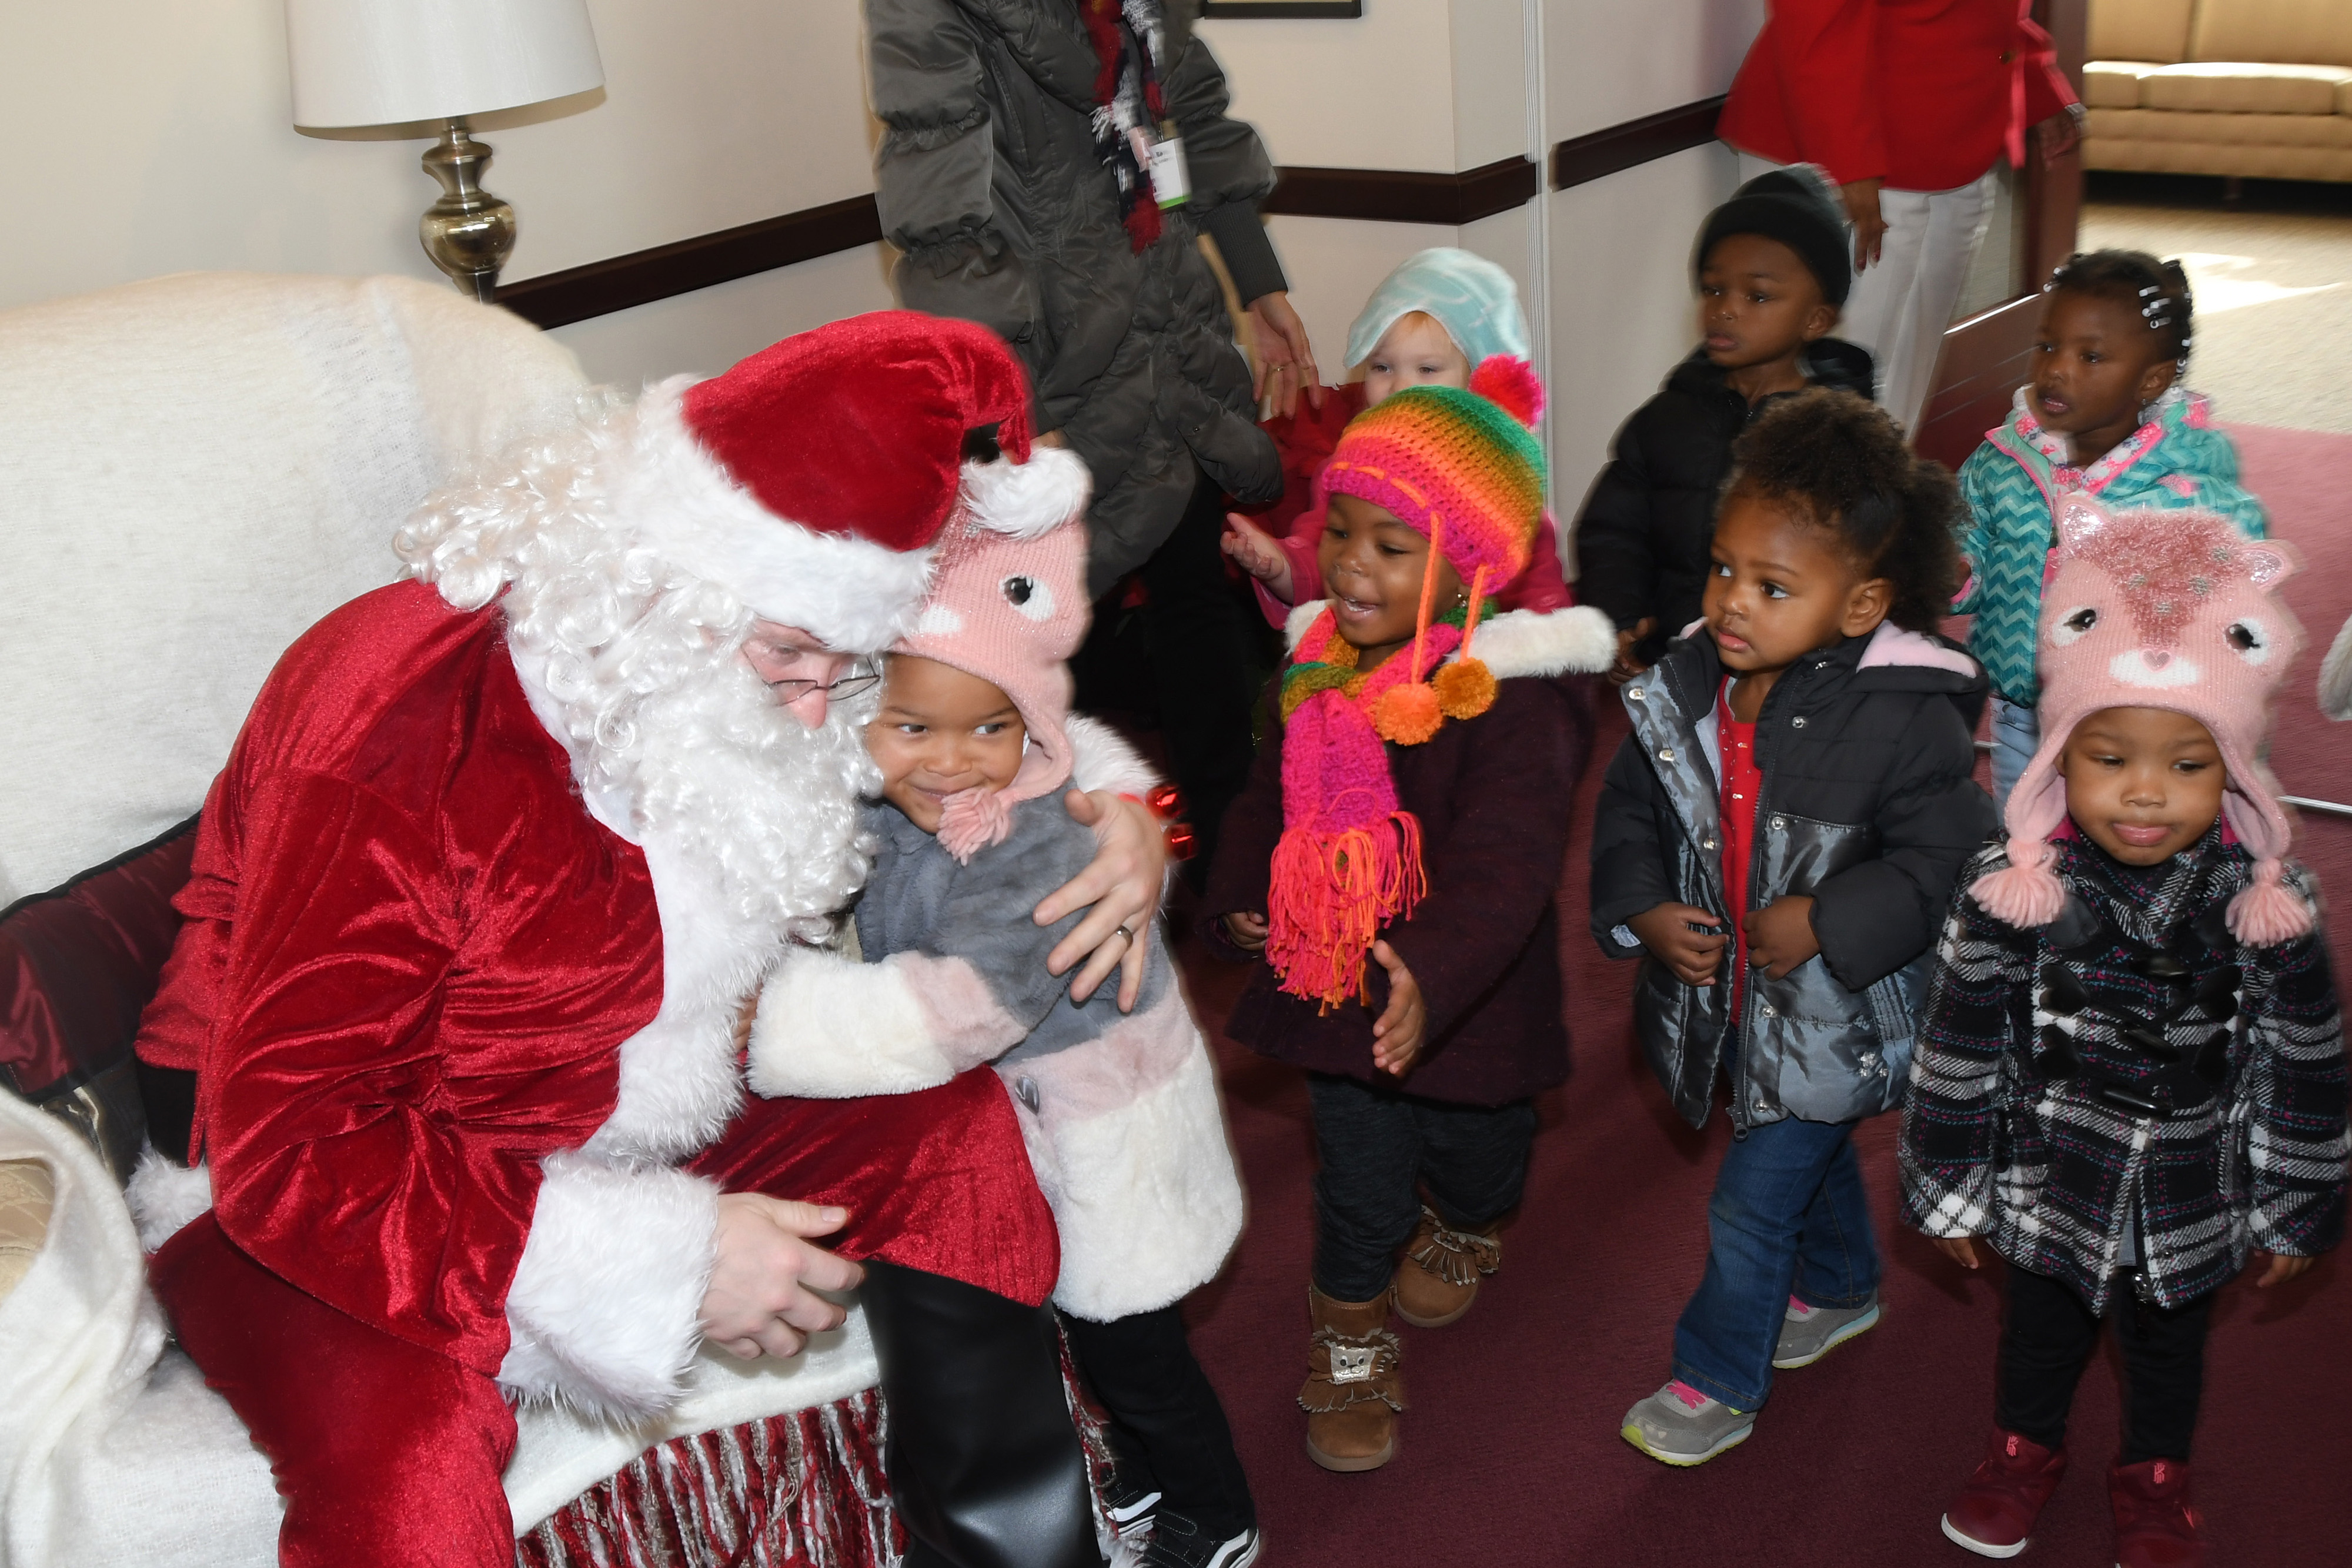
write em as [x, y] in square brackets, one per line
[477, 902]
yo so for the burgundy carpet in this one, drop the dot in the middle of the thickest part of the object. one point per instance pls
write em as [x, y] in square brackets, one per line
[1510, 1452]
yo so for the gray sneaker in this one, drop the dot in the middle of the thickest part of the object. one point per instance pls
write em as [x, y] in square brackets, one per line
[1809, 1334]
[1669, 1428]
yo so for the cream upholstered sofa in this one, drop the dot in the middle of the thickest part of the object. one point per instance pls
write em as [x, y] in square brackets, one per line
[2258, 89]
[193, 469]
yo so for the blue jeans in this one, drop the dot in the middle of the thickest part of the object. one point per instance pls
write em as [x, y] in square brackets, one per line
[2016, 735]
[1787, 1218]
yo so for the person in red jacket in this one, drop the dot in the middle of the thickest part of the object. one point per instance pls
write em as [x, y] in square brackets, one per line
[1910, 104]
[496, 864]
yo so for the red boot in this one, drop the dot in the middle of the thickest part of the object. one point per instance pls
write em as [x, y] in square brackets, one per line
[1994, 1514]
[2155, 1526]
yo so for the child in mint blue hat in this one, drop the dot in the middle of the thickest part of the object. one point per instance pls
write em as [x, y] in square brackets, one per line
[1431, 322]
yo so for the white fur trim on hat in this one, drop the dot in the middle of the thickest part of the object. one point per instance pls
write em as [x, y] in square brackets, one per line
[1026, 499]
[856, 595]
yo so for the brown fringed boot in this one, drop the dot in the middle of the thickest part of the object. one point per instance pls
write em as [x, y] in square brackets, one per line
[1439, 1277]
[1354, 1384]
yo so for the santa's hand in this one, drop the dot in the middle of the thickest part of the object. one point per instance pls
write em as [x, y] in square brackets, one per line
[1121, 883]
[763, 1298]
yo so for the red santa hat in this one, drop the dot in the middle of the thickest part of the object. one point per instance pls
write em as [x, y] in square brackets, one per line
[810, 480]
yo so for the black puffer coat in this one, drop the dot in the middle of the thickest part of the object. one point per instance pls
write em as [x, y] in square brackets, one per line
[989, 182]
[1642, 537]
[1870, 807]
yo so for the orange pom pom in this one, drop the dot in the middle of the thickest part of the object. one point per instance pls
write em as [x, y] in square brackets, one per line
[1511, 382]
[1465, 688]
[1407, 715]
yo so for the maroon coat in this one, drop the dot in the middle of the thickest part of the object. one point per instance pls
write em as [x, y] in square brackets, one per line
[1494, 795]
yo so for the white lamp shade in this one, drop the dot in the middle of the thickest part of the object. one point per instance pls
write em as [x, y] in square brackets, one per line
[389, 62]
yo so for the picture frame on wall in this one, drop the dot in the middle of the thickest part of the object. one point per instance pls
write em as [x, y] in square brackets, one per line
[1270, 10]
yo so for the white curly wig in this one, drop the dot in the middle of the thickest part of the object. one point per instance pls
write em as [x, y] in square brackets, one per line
[632, 662]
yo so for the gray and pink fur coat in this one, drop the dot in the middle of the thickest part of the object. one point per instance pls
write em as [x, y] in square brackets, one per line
[1119, 1110]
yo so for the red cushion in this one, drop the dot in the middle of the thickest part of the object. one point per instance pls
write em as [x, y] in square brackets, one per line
[78, 963]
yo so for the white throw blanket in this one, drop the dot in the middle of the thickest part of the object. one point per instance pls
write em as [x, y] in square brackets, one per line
[193, 470]
[113, 1451]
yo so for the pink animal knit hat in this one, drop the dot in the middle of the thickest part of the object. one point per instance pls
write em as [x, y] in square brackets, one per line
[1009, 610]
[2169, 609]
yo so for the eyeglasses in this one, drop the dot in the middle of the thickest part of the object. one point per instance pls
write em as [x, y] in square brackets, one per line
[861, 678]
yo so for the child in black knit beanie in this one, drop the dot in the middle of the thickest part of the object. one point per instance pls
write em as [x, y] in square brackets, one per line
[1772, 272]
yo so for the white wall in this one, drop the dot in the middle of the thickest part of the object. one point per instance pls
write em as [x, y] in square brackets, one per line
[1618, 292]
[153, 136]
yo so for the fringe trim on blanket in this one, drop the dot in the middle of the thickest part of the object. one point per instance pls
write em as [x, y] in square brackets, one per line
[803, 1490]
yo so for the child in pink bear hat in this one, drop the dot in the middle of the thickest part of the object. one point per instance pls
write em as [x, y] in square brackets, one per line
[1120, 1111]
[2130, 1074]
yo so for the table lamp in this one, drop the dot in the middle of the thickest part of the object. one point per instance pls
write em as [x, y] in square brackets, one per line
[426, 62]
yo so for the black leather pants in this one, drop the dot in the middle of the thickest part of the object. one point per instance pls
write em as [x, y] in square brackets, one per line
[983, 1457]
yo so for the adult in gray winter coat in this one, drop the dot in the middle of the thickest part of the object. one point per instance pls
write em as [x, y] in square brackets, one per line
[993, 184]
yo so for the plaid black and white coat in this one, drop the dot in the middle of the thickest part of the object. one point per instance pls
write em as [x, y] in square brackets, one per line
[2053, 1177]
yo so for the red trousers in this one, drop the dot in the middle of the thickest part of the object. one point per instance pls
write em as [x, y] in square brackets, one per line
[390, 1455]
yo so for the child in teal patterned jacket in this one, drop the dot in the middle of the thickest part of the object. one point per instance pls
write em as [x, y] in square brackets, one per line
[2103, 415]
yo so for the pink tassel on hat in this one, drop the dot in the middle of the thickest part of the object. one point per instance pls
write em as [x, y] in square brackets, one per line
[2266, 911]
[972, 821]
[2025, 893]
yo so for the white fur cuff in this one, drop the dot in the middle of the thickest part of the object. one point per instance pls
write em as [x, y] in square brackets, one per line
[165, 1197]
[606, 1308]
[1101, 758]
[1579, 640]
[830, 1029]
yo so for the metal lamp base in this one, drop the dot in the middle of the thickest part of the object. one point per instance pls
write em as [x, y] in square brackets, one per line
[469, 232]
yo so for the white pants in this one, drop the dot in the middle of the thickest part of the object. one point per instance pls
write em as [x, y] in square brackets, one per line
[1902, 301]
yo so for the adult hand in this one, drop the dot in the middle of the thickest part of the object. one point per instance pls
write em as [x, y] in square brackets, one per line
[1627, 667]
[1255, 551]
[1052, 438]
[1246, 931]
[1121, 883]
[1960, 1249]
[1399, 1031]
[1694, 955]
[762, 1298]
[2061, 133]
[2282, 1268]
[1284, 363]
[1781, 936]
[1869, 224]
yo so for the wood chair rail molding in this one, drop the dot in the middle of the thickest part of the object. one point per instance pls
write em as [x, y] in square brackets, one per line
[1368, 195]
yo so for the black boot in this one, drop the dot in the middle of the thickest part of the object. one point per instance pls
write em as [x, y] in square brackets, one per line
[983, 1456]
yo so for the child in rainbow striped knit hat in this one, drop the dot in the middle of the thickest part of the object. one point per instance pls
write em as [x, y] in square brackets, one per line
[1394, 859]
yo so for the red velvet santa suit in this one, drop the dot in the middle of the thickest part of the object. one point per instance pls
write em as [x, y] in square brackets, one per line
[469, 1084]
[439, 961]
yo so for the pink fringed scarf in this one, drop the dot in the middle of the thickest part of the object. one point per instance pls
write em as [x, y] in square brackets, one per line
[1349, 860]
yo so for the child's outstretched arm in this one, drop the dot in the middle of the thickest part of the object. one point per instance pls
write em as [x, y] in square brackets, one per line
[1872, 919]
[2296, 1083]
[1977, 1011]
[829, 1028]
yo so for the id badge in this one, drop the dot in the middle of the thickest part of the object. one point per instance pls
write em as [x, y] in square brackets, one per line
[1172, 182]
